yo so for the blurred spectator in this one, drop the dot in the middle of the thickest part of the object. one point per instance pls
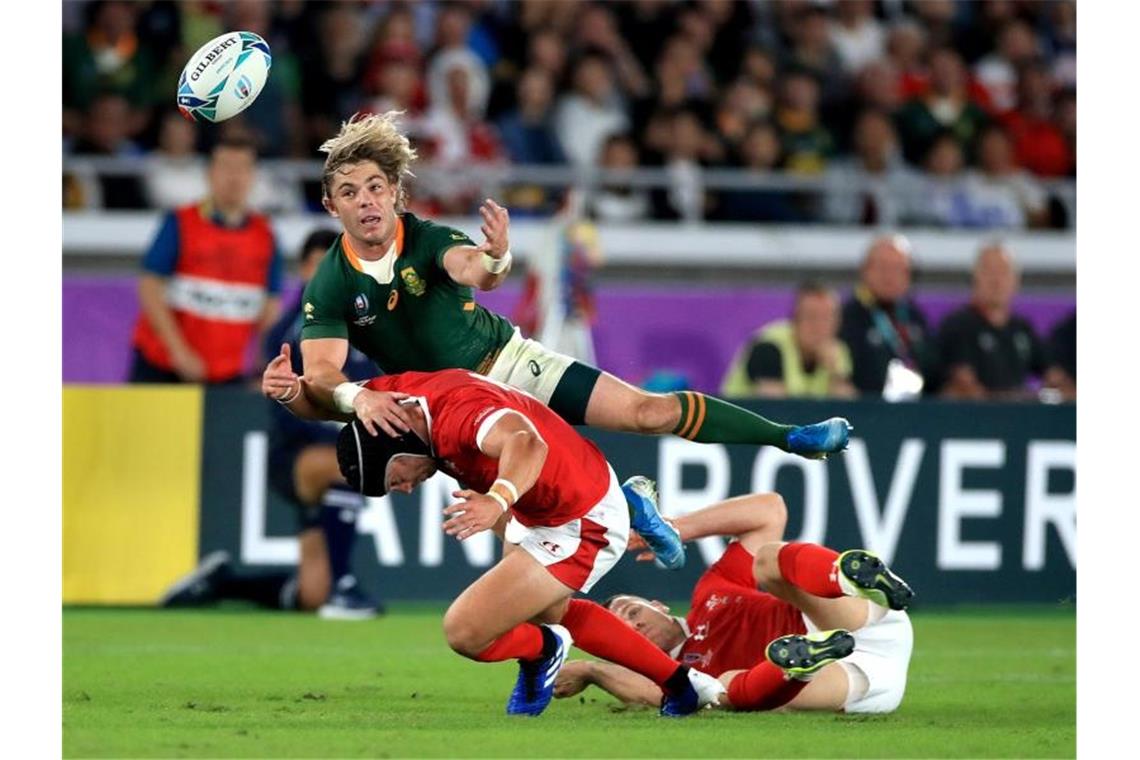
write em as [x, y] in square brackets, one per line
[1061, 41]
[730, 22]
[874, 185]
[528, 131]
[940, 196]
[1063, 348]
[989, 352]
[274, 119]
[997, 72]
[1067, 124]
[688, 146]
[806, 142]
[613, 201]
[591, 112]
[1000, 195]
[547, 51]
[760, 151]
[1039, 145]
[945, 107]
[812, 51]
[857, 37]
[457, 90]
[105, 134]
[742, 105]
[800, 358]
[210, 282]
[107, 57]
[906, 50]
[882, 323]
[330, 84]
[598, 30]
[175, 173]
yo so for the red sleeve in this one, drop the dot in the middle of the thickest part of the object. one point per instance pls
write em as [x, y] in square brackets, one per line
[733, 569]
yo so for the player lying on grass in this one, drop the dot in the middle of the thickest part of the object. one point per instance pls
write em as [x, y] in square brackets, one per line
[792, 625]
[399, 289]
[564, 519]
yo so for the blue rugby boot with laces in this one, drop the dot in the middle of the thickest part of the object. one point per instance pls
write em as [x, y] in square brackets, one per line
[535, 685]
[818, 440]
[661, 537]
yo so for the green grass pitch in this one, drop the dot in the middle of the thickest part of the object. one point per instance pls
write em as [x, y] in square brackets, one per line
[235, 682]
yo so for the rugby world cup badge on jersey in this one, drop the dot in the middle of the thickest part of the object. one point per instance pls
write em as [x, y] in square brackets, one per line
[224, 77]
[360, 307]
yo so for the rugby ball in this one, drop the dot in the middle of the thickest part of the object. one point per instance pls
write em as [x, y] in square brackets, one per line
[224, 77]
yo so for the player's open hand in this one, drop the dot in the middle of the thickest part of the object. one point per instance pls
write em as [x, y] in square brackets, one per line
[279, 382]
[381, 410]
[496, 223]
[476, 513]
[572, 679]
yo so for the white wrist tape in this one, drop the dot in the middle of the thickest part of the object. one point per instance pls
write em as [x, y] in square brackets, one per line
[343, 396]
[496, 266]
[509, 486]
[289, 398]
[500, 499]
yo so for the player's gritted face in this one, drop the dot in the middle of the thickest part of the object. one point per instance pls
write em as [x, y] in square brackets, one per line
[406, 471]
[650, 619]
[364, 200]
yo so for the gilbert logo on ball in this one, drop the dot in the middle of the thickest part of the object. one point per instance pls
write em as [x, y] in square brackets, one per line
[224, 77]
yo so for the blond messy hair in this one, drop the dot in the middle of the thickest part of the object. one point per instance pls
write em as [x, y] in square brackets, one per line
[370, 138]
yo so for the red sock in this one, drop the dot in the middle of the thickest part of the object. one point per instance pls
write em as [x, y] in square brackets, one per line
[602, 633]
[523, 642]
[810, 567]
[764, 687]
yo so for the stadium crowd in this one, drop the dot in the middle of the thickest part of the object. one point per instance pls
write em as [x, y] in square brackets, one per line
[931, 112]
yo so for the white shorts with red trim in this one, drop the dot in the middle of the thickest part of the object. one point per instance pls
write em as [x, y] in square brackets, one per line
[580, 552]
[882, 656]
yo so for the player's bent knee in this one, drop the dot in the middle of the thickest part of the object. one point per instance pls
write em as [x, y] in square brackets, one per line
[463, 637]
[766, 565]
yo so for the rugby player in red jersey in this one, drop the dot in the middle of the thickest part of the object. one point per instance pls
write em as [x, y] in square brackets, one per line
[556, 502]
[792, 625]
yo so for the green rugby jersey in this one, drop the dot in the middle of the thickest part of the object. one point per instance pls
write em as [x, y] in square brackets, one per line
[419, 321]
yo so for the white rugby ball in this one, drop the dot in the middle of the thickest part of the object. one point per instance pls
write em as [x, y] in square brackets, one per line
[224, 77]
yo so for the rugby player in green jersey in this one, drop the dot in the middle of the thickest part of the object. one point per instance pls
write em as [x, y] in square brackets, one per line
[400, 289]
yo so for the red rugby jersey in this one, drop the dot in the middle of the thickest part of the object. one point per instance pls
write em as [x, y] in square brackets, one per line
[574, 478]
[731, 621]
[219, 283]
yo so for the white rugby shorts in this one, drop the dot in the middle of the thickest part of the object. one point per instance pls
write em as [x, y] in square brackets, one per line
[882, 655]
[580, 552]
[530, 366]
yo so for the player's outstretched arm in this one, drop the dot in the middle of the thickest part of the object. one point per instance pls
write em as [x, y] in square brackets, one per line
[754, 520]
[630, 687]
[280, 383]
[483, 266]
[328, 388]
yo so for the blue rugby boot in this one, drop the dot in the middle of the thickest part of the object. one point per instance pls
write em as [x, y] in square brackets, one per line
[535, 685]
[820, 439]
[661, 537]
[700, 690]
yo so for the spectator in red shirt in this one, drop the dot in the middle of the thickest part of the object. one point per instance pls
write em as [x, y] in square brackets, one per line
[1038, 143]
[211, 281]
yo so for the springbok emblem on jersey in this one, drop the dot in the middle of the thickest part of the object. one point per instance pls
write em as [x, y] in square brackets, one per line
[414, 283]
